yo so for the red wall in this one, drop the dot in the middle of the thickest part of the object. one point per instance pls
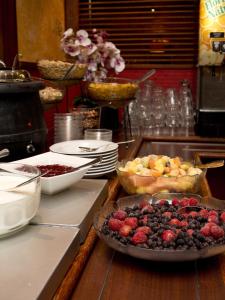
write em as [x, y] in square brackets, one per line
[163, 77]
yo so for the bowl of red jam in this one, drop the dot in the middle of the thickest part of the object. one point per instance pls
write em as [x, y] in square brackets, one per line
[59, 171]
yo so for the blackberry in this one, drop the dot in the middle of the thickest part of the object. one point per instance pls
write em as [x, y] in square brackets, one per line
[105, 230]
[200, 237]
[160, 231]
[135, 207]
[155, 228]
[190, 243]
[144, 245]
[134, 214]
[180, 242]
[166, 244]
[197, 243]
[175, 215]
[191, 225]
[152, 244]
[171, 209]
[180, 235]
[124, 241]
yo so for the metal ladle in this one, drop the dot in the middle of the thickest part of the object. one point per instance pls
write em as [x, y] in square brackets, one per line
[146, 76]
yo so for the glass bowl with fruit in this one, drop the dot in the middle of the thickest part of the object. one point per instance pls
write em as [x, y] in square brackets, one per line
[155, 228]
[159, 173]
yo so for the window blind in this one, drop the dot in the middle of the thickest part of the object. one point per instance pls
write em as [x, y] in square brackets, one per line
[149, 33]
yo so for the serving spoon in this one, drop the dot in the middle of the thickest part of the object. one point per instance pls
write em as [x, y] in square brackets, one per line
[11, 189]
[212, 164]
[93, 162]
[91, 149]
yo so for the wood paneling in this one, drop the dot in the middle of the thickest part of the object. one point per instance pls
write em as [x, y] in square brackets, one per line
[8, 31]
[40, 26]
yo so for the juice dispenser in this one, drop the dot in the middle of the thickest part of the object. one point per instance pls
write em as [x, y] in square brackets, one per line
[211, 69]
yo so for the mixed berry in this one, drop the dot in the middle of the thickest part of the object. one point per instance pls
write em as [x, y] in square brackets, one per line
[164, 225]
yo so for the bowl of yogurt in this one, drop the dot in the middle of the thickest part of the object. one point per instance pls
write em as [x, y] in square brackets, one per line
[18, 205]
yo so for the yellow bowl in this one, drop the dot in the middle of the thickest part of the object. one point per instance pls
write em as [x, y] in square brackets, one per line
[112, 90]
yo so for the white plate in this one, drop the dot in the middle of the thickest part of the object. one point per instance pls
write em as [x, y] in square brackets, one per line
[103, 169]
[105, 164]
[96, 175]
[72, 147]
[55, 184]
[105, 156]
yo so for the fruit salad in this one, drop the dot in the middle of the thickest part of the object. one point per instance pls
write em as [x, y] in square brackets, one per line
[156, 173]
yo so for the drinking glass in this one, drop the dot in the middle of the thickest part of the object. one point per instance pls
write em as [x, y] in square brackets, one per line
[171, 98]
[187, 116]
[158, 107]
[172, 116]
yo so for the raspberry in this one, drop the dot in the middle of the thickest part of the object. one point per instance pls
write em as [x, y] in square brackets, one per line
[120, 214]
[125, 230]
[213, 213]
[184, 202]
[190, 232]
[194, 214]
[193, 201]
[213, 219]
[222, 216]
[144, 229]
[175, 202]
[139, 238]
[205, 230]
[217, 232]
[115, 224]
[167, 214]
[203, 213]
[143, 203]
[162, 202]
[178, 230]
[144, 220]
[168, 235]
[174, 221]
[184, 215]
[132, 221]
[183, 223]
[147, 209]
[210, 224]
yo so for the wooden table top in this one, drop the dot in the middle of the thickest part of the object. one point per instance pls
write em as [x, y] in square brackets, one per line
[108, 274]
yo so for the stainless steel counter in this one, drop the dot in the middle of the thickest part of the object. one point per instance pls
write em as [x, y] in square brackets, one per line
[35, 259]
[73, 207]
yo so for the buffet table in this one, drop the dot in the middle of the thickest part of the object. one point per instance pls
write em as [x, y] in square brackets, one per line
[99, 272]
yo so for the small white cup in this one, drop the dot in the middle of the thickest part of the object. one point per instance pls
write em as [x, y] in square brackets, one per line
[98, 134]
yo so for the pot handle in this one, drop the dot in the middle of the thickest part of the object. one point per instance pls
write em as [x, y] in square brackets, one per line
[4, 152]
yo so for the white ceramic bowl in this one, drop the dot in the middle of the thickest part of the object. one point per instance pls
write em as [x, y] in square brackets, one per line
[19, 206]
[55, 184]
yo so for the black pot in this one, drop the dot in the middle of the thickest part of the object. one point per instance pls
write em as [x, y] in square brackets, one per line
[22, 126]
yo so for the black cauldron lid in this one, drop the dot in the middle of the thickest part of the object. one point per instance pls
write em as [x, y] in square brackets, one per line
[9, 76]
[19, 81]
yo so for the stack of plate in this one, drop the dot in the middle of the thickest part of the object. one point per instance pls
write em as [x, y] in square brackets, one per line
[108, 151]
